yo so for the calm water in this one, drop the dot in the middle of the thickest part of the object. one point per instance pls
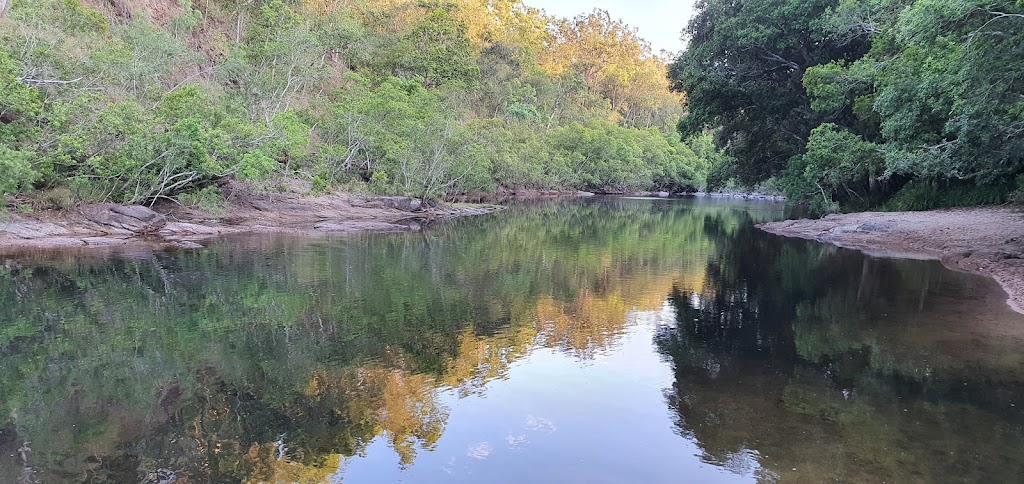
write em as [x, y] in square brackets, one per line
[586, 341]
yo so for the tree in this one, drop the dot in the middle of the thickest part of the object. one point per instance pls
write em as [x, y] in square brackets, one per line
[939, 93]
[742, 73]
[438, 51]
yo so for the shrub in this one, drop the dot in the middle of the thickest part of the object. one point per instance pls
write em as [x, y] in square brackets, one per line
[16, 165]
[207, 199]
[927, 194]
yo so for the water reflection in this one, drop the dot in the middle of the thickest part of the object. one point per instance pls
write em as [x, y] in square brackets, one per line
[508, 348]
[832, 365]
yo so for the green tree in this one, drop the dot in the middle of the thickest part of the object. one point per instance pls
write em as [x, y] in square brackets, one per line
[742, 73]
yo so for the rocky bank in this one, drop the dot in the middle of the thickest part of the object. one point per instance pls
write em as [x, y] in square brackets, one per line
[170, 225]
[987, 241]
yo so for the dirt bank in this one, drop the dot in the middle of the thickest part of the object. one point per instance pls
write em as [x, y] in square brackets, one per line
[171, 225]
[987, 241]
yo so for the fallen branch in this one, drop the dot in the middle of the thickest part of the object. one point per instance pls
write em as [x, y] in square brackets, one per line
[30, 80]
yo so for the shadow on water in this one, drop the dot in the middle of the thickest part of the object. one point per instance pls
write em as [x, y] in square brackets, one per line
[284, 360]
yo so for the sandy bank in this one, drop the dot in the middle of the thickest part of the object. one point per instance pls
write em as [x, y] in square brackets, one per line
[170, 225]
[987, 241]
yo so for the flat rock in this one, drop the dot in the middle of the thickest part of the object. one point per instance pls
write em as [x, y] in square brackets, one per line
[344, 227]
[407, 204]
[134, 219]
[105, 241]
[32, 230]
[179, 229]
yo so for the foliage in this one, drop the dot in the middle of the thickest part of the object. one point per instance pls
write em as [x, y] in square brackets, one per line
[836, 161]
[906, 89]
[430, 99]
[742, 73]
[17, 169]
[207, 199]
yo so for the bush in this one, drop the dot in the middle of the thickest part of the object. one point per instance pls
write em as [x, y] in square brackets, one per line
[208, 199]
[16, 165]
[925, 194]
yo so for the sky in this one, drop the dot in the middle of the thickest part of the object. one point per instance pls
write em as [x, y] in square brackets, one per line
[658, 21]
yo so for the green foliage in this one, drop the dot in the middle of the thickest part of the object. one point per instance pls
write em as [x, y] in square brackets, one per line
[207, 199]
[923, 89]
[19, 103]
[612, 158]
[926, 194]
[743, 73]
[437, 51]
[430, 99]
[836, 162]
[16, 166]
[185, 23]
[67, 15]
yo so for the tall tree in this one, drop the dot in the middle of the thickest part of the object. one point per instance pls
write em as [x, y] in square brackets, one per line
[743, 72]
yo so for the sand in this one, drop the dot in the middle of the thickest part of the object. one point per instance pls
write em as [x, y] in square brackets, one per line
[987, 241]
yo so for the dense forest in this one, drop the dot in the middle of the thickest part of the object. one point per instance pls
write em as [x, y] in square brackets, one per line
[140, 101]
[903, 104]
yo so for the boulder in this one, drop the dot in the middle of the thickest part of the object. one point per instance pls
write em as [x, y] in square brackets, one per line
[121, 219]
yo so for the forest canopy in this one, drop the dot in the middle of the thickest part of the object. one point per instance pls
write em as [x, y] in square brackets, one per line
[903, 104]
[135, 102]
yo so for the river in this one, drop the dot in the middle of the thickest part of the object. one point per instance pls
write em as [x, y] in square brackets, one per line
[599, 340]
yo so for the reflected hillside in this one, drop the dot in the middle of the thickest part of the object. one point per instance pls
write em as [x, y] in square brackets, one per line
[269, 358]
[823, 364]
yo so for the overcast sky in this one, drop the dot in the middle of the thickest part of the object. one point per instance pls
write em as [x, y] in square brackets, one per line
[659, 21]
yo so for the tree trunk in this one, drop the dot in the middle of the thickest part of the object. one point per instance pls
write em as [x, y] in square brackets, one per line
[5, 5]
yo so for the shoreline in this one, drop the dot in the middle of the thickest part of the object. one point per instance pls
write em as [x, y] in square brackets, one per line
[169, 226]
[986, 241]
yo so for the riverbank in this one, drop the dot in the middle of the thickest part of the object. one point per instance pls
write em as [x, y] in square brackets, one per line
[172, 225]
[987, 241]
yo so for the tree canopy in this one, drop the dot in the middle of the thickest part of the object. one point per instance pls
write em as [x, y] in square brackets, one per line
[855, 103]
[424, 98]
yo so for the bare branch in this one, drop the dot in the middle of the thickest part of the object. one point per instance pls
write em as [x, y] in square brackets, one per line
[31, 80]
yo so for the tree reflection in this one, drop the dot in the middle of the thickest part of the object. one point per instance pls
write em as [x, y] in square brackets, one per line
[270, 359]
[826, 364]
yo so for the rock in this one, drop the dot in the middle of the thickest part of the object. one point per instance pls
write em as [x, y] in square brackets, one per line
[663, 194]
[29, 230]
[186, 244]
[104, 241]
[870, 227]
[180, 229]
[844, 229]
[407, 204]
[134, 219]
[348, 227]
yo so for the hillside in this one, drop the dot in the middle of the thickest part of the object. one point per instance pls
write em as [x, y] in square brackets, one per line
[133, 101]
